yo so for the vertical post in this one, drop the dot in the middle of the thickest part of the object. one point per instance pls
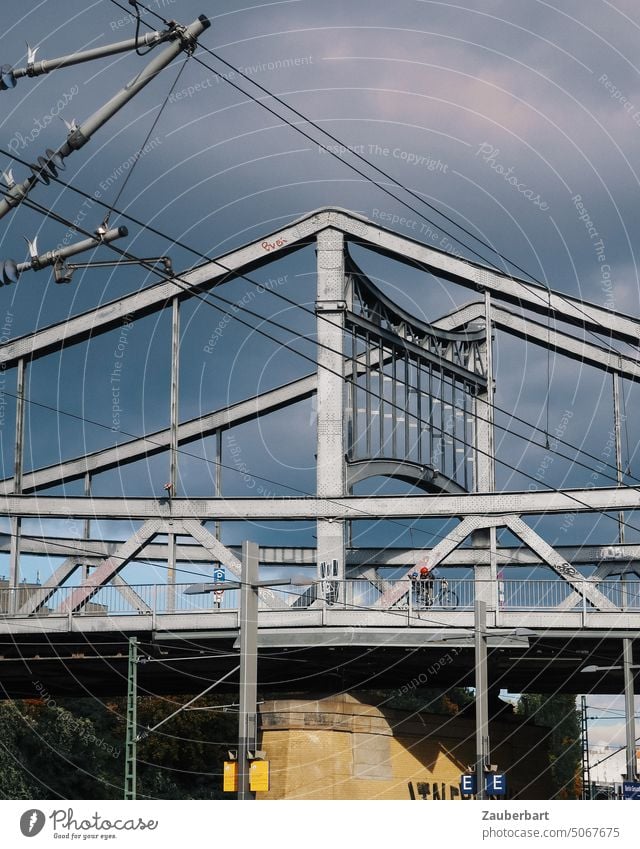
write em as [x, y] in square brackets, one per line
[173, 452]
[629, 708]
[175, 381]
[131, 745]
[482, 696]
[16, 521]
[247, 717]
[586, 764]
[486, 578]
[330, 305]
[87, 524]
[618, 440]
[218, 473]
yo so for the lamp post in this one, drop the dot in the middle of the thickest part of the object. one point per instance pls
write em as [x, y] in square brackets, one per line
[482, 695]
[629, 707]
[249, 586]
[481, 681]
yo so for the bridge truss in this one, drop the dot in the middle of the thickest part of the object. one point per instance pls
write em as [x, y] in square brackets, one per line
[396, 397]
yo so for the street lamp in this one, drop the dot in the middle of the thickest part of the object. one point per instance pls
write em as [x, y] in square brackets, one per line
[483, 747]
[629, 707]
[249, 586]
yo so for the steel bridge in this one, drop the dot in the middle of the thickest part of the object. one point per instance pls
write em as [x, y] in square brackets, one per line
[395, 397]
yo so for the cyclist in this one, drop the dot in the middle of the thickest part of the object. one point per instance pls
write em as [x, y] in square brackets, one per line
[425, 584]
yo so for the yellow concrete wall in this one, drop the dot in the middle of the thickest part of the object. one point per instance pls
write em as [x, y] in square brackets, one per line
[339, 748]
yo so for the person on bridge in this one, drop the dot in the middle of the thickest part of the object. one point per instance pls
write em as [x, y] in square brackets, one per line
[425, 585]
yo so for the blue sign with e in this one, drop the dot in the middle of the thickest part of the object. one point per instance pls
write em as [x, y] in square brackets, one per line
[496, 784]
[467, 784]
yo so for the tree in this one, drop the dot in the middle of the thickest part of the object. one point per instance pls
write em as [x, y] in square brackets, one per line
[558, 713]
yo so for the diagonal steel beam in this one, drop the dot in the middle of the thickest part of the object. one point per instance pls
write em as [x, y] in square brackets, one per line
[220, 552]
[546, 337]
[130, 595]
[474, 276]
[535, 542]
[154, 298]
[437, 554]
[294, 236]
[155, 443]
[40, 596]
[111, 566]
[601, 572]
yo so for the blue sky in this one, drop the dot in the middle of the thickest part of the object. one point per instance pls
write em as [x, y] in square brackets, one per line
[519, 120]
[500, 114]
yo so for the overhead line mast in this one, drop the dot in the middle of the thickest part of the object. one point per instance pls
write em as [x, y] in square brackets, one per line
[182, 39]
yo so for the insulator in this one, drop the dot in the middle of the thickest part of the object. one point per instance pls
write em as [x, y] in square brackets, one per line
[7, 79]
[10, 273]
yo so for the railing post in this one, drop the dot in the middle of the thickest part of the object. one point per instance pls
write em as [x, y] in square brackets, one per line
[584, 604]
[410, 605]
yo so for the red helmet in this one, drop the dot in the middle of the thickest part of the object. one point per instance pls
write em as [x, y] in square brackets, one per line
[424, 571]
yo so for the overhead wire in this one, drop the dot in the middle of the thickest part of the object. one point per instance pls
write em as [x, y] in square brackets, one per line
[299, 353]
[280, 296]
[276, 294]
[387, 176]
[177, 280]
[205, 299]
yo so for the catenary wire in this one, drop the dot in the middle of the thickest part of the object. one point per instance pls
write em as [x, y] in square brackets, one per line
[279, 295]
[307, 120]
[182, 284]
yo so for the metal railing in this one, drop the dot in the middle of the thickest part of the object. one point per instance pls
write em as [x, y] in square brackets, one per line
[355, 595]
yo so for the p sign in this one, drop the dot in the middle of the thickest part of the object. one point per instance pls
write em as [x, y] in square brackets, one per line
[219, 575]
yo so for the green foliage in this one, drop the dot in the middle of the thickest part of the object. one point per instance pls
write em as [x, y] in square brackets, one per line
[558, 713]
[447, 701]
[74, 749]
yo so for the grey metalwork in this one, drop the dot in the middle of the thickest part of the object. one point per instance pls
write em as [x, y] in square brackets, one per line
[45, 66]
[395, 396]
[483, 748]
[248, 713]
[629, 709]
[183, 38]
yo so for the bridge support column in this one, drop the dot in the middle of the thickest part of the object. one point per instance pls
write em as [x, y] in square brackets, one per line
[330, 309]
[486, 588]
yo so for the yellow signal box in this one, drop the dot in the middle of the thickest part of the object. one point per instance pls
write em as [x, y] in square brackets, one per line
[259, 776]
[230, 777]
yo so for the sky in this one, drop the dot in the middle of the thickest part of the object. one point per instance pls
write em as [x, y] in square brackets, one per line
[521, 121]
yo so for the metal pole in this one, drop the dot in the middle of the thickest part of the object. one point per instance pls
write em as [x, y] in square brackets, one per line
[16, 522]
[52, 257]
[87, 523]
[131, 745]
[482, 698]
[185, 39]
[629, 707]
[586, 765]
[175, 383]
[247, 718]
[35, 69]
[173, 453]
[618, 440]
[218, 474]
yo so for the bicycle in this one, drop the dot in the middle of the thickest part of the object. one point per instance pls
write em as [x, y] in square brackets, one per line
[425, 597]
